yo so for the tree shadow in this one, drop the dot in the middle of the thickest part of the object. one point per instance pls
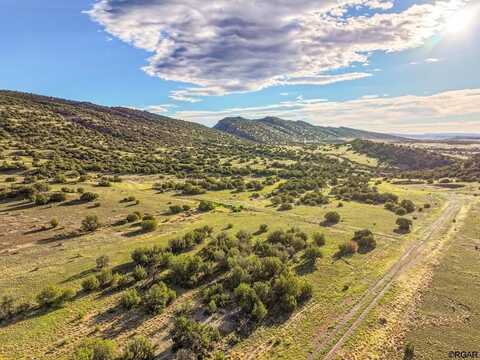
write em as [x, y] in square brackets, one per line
[306, 267]
[24, 206]
[401, 231]
[60, 237]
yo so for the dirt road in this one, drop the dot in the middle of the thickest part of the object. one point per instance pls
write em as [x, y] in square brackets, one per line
[350, 321]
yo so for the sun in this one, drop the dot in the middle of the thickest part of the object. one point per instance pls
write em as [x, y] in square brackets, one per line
[460, 22]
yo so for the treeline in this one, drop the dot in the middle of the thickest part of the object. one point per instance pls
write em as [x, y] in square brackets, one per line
[399, 156]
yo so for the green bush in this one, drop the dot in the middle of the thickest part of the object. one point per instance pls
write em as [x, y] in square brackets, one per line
[102, 261]
[205, 206]
[139, 273]
[96, 349]
[149, 225]
[90, 283]
[52, 296]
[332, 217]
[130, 299]
[90, 223]
[105, 277]
[319, 239]
[347, 248]
[139, 348]
[88, 196]
[194, 336]
[54, 223]
[132, 217]
[158, 297]
[365, 240]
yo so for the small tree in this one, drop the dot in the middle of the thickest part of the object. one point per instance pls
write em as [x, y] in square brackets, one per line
[347, 248]
[149, 225]
[139, 273]
[332, 217]
[91, 283]
[312, 253]
[205, 206]
[263, 228]
[408, 205]
[130, 299]
[53, 296]
[158, 297]
[404, 224]
[88, 196]
[96, 349]
[132, 217]
[365, 240]
[90, 223]
[7, 307]
[319, 239]
[102, 262]
[139, 348]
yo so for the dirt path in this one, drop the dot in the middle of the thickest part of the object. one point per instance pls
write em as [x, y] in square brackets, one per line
[345, 327]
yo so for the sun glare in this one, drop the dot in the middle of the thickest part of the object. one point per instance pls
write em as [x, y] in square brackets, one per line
[460, 22]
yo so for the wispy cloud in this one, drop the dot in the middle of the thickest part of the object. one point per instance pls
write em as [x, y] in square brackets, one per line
[232, 46]
[445, 111]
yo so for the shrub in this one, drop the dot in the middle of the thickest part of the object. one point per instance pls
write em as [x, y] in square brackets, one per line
[409, 352]
[149, 225]
[285, 207]
[54, 223]
[312, 253]
[205, 206]
[158, 297]
[91, 283]
[105, 277]
[408, 205]
[88, 196]
[194, 336]
[404, 224]
[58, 197]
[41, 199]
[175, 209]
[263, 228]
[96, 349]
[365, 240]
[7, 307]
[53, 296]
[347, 248]
[400, 211]
[332, 217]
[130, 299]
[139, 348]
[318, 239]
[90, 223]
[139, 273]
[102, 261]
[132, 217]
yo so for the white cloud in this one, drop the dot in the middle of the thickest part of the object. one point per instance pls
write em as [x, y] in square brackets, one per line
[426, 61]
[457, 110]
[432, 60]
[233, 46]
[160, 109]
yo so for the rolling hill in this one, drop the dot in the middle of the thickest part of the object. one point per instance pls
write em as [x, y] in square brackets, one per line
[273, 130]
[66, 135]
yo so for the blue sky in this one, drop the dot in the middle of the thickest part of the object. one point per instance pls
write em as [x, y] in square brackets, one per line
[398, 66]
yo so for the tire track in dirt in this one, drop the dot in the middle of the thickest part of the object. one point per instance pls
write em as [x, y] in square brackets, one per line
[376, 292]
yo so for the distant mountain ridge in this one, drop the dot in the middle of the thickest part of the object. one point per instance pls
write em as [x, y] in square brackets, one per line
[273, 130]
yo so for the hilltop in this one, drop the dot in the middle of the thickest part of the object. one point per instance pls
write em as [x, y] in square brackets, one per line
[273, 130]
